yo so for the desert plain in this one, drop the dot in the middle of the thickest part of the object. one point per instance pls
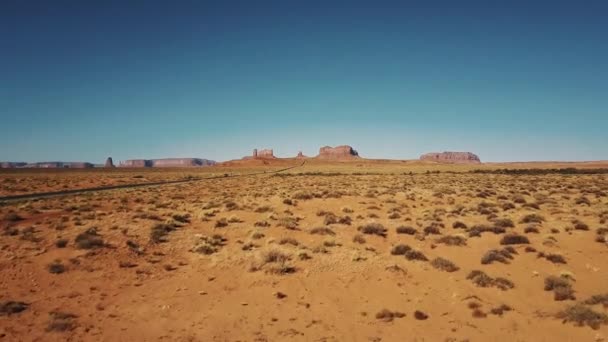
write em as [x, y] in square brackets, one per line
[323, 251]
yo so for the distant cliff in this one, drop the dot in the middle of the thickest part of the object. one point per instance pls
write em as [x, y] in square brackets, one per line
[166, 162]
[451, 157]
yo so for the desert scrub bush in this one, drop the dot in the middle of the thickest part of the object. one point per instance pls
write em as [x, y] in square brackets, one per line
[386, 315]
[514, 239]
[61, 321]
[579, 225]
[500, 255]
[459, 225]
[89, 239]
[288, 201]
[500, 310]
[508, 206]
[303, 195]
[208, 244]
[481, 279]
[394, 216]
[289, 241]
[12, 307]
[61, 243]
[261, 224]
[554, 258]
[531, 230]
[532, 218]
[598, 299]
[263, 209]
[221, 223]
[400, 249]
[322, 231]
[582, 315]
[373, 229]
[414, 255]
[504, 223]
[159, 232]
[582, 200]
[432, 229]
[257, 235]
[56, 267]
[477, 229]
[406, 230]
[452, 240]
[181, 218]
[444, 265]
[288, 222]
[231, 205]
[561, 287]
[12, 217]
[276, 262]
[358, 238]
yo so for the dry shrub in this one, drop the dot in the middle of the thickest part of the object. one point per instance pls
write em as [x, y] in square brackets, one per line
[582, 315]
[89, 239]
[388, 316]
[373, 229]
[514, 239]
[12, 307]
[400, 249]
[444, 265]
[453, 240]
[415, 255]
[322, 231]
[61, 321]
[561, 287]
[406, 230]
[481, 279]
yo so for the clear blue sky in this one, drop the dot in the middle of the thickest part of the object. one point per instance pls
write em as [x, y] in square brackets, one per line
[508, 80]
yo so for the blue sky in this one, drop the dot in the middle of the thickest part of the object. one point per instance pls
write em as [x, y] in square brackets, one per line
[508, 80]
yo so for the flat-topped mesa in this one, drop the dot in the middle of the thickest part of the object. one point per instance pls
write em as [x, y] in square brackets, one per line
[452, 157]
[11, 165]
[59, 165]
[264, 154]
[167, 162]
[337, 153]
[181, 162]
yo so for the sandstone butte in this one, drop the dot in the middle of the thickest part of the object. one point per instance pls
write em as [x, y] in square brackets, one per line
[451, 157]
[343, 152]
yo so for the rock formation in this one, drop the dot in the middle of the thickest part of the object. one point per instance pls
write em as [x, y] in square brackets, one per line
[451, 157]
[167, 162]
[300, 155]
[11, 165]
[266, 153]
[59, 165]
[337, 153]
[109, 163]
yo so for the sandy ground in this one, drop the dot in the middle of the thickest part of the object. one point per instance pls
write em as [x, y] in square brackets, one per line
[273, 258]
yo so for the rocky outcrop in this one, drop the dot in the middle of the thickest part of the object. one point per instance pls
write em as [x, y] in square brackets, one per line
[136, 163]
[337, 153]
[181, 162]
[451, 157]
[265, 153]
[109, 163]
[167, 162]
[300, 155]
[59, 165]
[11, 165]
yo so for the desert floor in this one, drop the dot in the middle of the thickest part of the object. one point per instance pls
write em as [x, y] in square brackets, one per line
[322, 252]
